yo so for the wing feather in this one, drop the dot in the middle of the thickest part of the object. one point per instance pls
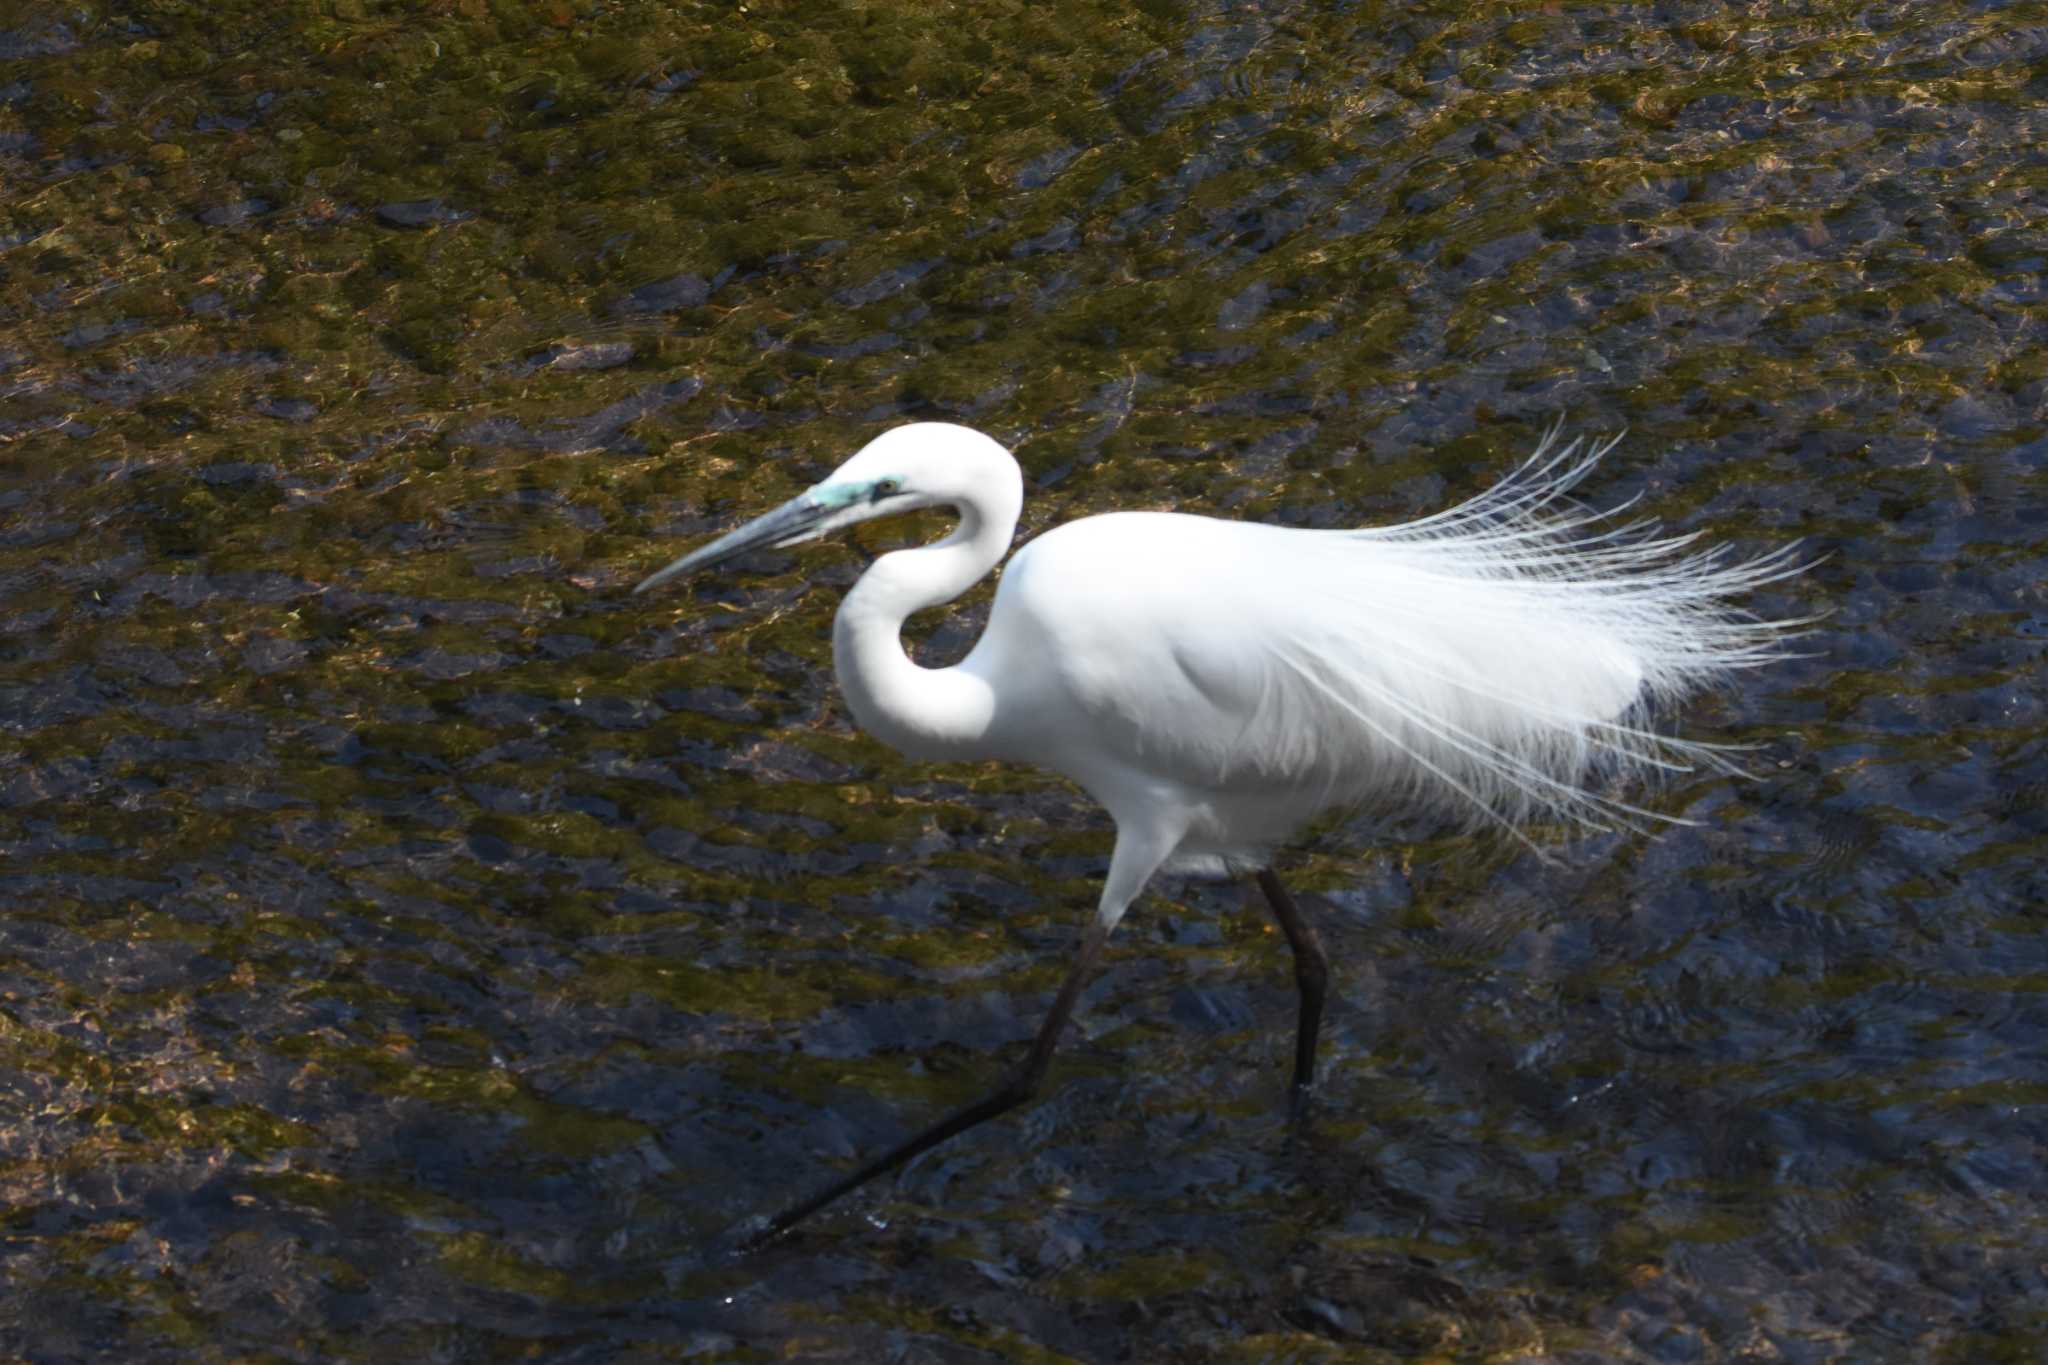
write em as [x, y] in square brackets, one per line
[1490, 661]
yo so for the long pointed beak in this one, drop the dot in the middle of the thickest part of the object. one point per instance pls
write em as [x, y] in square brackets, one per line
[791, 521]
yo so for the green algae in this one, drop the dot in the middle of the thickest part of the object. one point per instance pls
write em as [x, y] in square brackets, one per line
[282, 381]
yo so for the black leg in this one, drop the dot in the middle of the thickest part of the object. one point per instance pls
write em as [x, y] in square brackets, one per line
[1311, 976]
[1019, 1088]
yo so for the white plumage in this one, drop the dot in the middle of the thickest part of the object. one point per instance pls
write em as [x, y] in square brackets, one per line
[1219, 684]
[1216, 685]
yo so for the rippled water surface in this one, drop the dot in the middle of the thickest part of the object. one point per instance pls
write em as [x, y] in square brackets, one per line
[414, 947]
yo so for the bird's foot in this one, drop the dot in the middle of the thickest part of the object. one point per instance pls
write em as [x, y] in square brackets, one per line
[1300, 1105]
[744, 1238]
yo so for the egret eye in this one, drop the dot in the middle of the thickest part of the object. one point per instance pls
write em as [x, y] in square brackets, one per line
[884, 488]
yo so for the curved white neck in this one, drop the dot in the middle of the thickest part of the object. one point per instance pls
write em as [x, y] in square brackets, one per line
[928, 713]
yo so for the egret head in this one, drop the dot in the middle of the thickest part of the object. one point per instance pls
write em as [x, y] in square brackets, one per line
[925, 464]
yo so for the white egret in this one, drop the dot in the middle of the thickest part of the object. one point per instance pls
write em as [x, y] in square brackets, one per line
[1216, 685]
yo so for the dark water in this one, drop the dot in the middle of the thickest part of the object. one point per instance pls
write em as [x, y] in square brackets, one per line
[415, 948]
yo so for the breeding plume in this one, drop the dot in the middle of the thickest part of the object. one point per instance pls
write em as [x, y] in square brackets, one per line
[1216, 685]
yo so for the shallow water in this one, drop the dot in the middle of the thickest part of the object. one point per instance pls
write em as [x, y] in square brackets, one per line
[416, 947]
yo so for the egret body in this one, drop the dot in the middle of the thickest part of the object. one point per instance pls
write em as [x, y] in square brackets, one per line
[1217, 685]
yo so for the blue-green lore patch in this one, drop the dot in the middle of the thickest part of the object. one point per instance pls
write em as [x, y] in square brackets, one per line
[836, 496]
